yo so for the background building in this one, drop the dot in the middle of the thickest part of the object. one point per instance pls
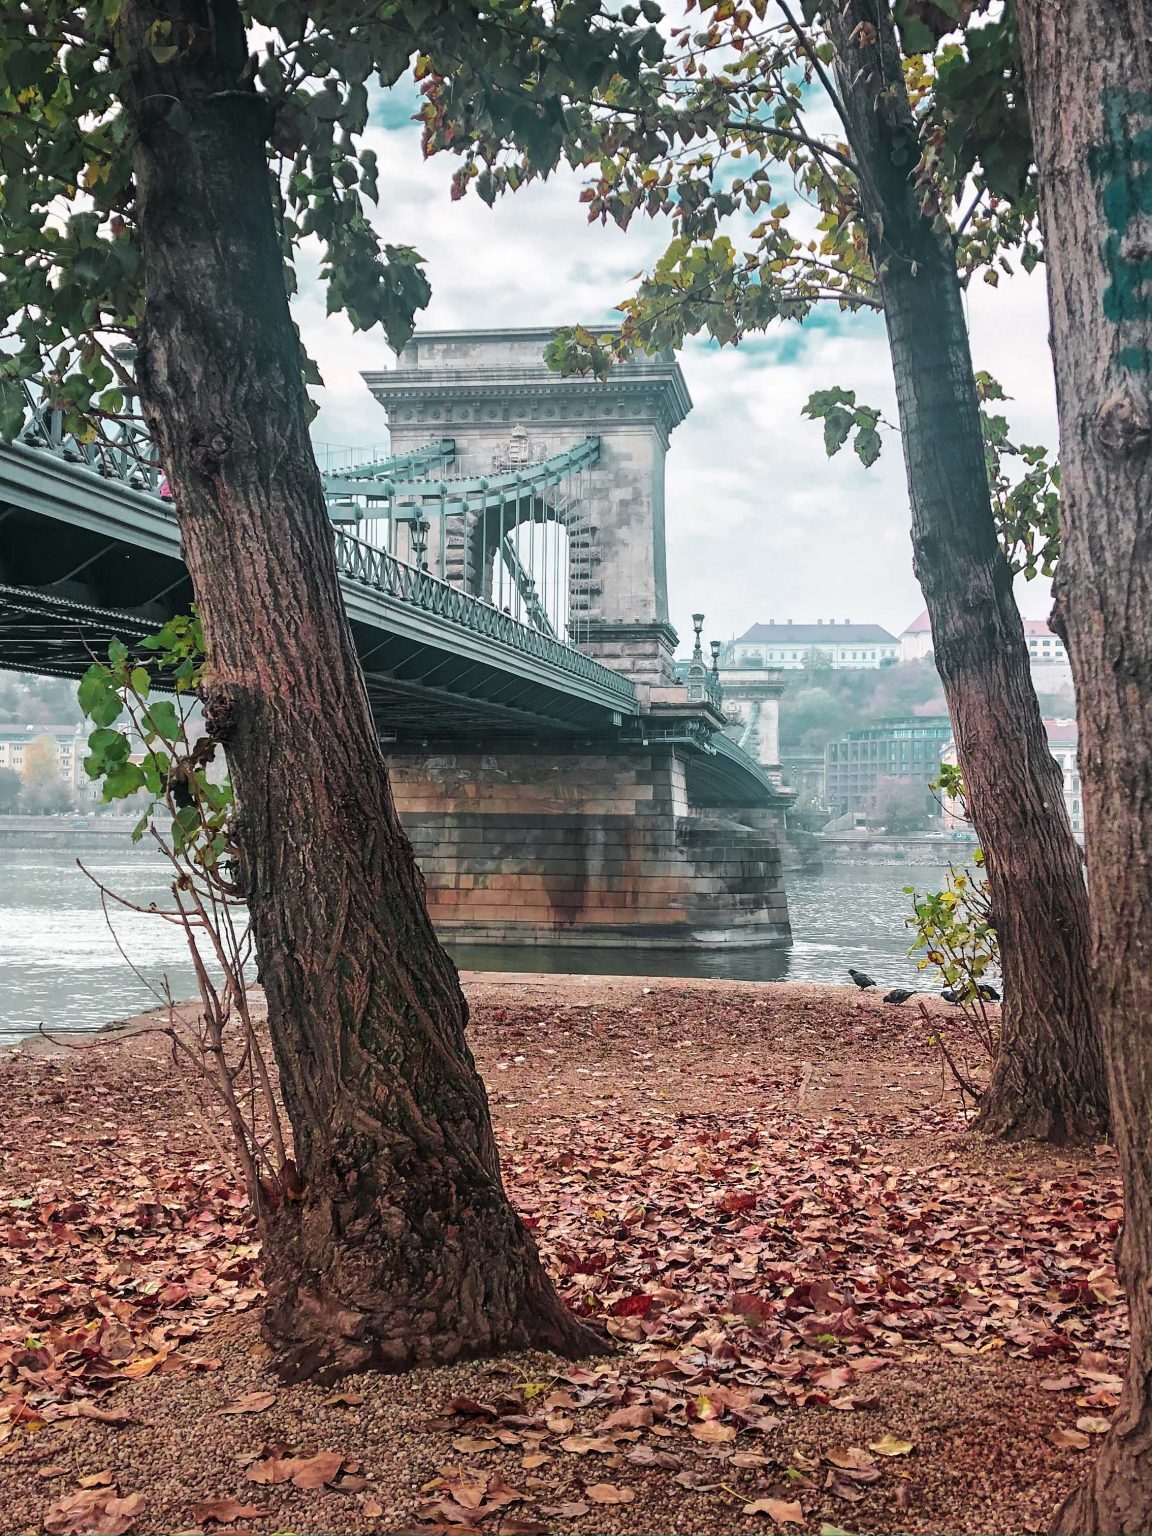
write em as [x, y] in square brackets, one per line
[1063, 738]
[916, 640]
[910, 749]
[18, 753]
[795, 646]
[1046, 650]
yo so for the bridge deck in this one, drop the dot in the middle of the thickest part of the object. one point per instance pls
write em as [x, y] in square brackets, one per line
[84, 555]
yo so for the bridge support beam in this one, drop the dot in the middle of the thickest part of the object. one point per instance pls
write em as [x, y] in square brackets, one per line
[592, 849]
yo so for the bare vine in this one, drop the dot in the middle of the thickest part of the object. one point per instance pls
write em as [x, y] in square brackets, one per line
[160, 750]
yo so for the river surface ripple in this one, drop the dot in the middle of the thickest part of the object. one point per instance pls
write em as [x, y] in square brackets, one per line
[60, 967]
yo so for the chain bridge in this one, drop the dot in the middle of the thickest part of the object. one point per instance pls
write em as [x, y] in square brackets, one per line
[503, 567]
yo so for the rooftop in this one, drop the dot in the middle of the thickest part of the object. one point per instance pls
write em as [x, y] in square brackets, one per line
[921, 625]
[831, 633]
[1062, 733]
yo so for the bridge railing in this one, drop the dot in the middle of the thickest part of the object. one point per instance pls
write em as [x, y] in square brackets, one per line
[125, 452]
[383, 572]
[516, 537]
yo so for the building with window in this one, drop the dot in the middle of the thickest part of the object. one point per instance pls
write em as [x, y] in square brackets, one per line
[1063, 739]
[1044, 645]
[71, 749]
[892, 749]
[793, 646]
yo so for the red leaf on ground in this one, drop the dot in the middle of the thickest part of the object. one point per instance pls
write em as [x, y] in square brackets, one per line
[226, 1511]
[608, 1493]
[638, 1305]
[783, 1511]
[251, 1402]
[93, 1512]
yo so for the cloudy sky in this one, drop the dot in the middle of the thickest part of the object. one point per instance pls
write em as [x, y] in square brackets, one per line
[760, 524]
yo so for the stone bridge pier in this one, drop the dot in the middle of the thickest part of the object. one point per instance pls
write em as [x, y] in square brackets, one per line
[586, 848]
[652, 829]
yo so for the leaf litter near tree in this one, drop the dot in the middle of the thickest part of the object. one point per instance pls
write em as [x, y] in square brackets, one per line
[736, 1318]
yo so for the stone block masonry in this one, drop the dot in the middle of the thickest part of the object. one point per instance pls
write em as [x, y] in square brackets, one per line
[587, 849]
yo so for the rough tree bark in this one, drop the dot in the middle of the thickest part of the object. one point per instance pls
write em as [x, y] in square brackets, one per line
[1048, 1080]
[401, 1246]
[1088, 66]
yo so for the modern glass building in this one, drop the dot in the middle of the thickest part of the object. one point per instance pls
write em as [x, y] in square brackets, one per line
[892, 749]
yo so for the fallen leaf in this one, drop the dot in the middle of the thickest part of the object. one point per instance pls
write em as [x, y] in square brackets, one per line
[571, 1510]
[344, 1400]
[852, 1459]
[144, 1367]
[469, 1405]
[649, 1456]
[472, 1445]
[712, 1432]
[315, 1471]
[638, 1417]
[97, 1480]
[891, 1446]
[303, 1471]
[1093, 1424]
[782, 1511]
[1069, 1439]
[581, 1445]
[226, 1511]
[608, 1493]
[93, 1512]
[251, 1402]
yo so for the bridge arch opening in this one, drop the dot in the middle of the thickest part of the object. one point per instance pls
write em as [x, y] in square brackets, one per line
[520, 561]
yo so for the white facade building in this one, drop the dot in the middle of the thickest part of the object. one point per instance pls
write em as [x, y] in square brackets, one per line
[841, 646]
[1063, 737]
[1044, 645]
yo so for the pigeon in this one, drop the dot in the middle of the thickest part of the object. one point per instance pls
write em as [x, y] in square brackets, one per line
[860, 979]
[960, 994]
[898, 995]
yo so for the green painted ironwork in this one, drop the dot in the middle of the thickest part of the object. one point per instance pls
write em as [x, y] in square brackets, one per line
[376, 568]
[125, 458]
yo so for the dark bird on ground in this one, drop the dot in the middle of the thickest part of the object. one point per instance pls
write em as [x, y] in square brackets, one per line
[860, 979]
[960, 994]
[898, 995]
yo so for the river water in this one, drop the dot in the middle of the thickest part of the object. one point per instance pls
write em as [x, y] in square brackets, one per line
[60, 967]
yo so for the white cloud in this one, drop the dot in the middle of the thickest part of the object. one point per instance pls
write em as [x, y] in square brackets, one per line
[760, 524]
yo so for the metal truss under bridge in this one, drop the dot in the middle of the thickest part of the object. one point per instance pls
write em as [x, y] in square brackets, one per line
[89, 548]
[459, 589]
[515, 537]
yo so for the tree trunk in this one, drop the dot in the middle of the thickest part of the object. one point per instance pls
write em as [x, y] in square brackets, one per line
[402, 1246]
[1088, 66]
[1048, 1079]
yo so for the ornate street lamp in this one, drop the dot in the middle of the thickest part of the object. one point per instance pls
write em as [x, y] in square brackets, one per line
[697, 625]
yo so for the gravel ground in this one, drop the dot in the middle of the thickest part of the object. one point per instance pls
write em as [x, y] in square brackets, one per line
[115, 1217]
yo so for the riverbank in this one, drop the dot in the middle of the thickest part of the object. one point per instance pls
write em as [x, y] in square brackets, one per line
[833, 1304]
[71, 829]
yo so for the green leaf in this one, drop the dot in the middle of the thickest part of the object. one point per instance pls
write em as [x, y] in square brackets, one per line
[161, 718]
[93, 687]
[123, 781]
[837, 425]
[867, 445]
[107, 708]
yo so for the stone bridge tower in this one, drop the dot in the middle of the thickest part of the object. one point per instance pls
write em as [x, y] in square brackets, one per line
[491, 392]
